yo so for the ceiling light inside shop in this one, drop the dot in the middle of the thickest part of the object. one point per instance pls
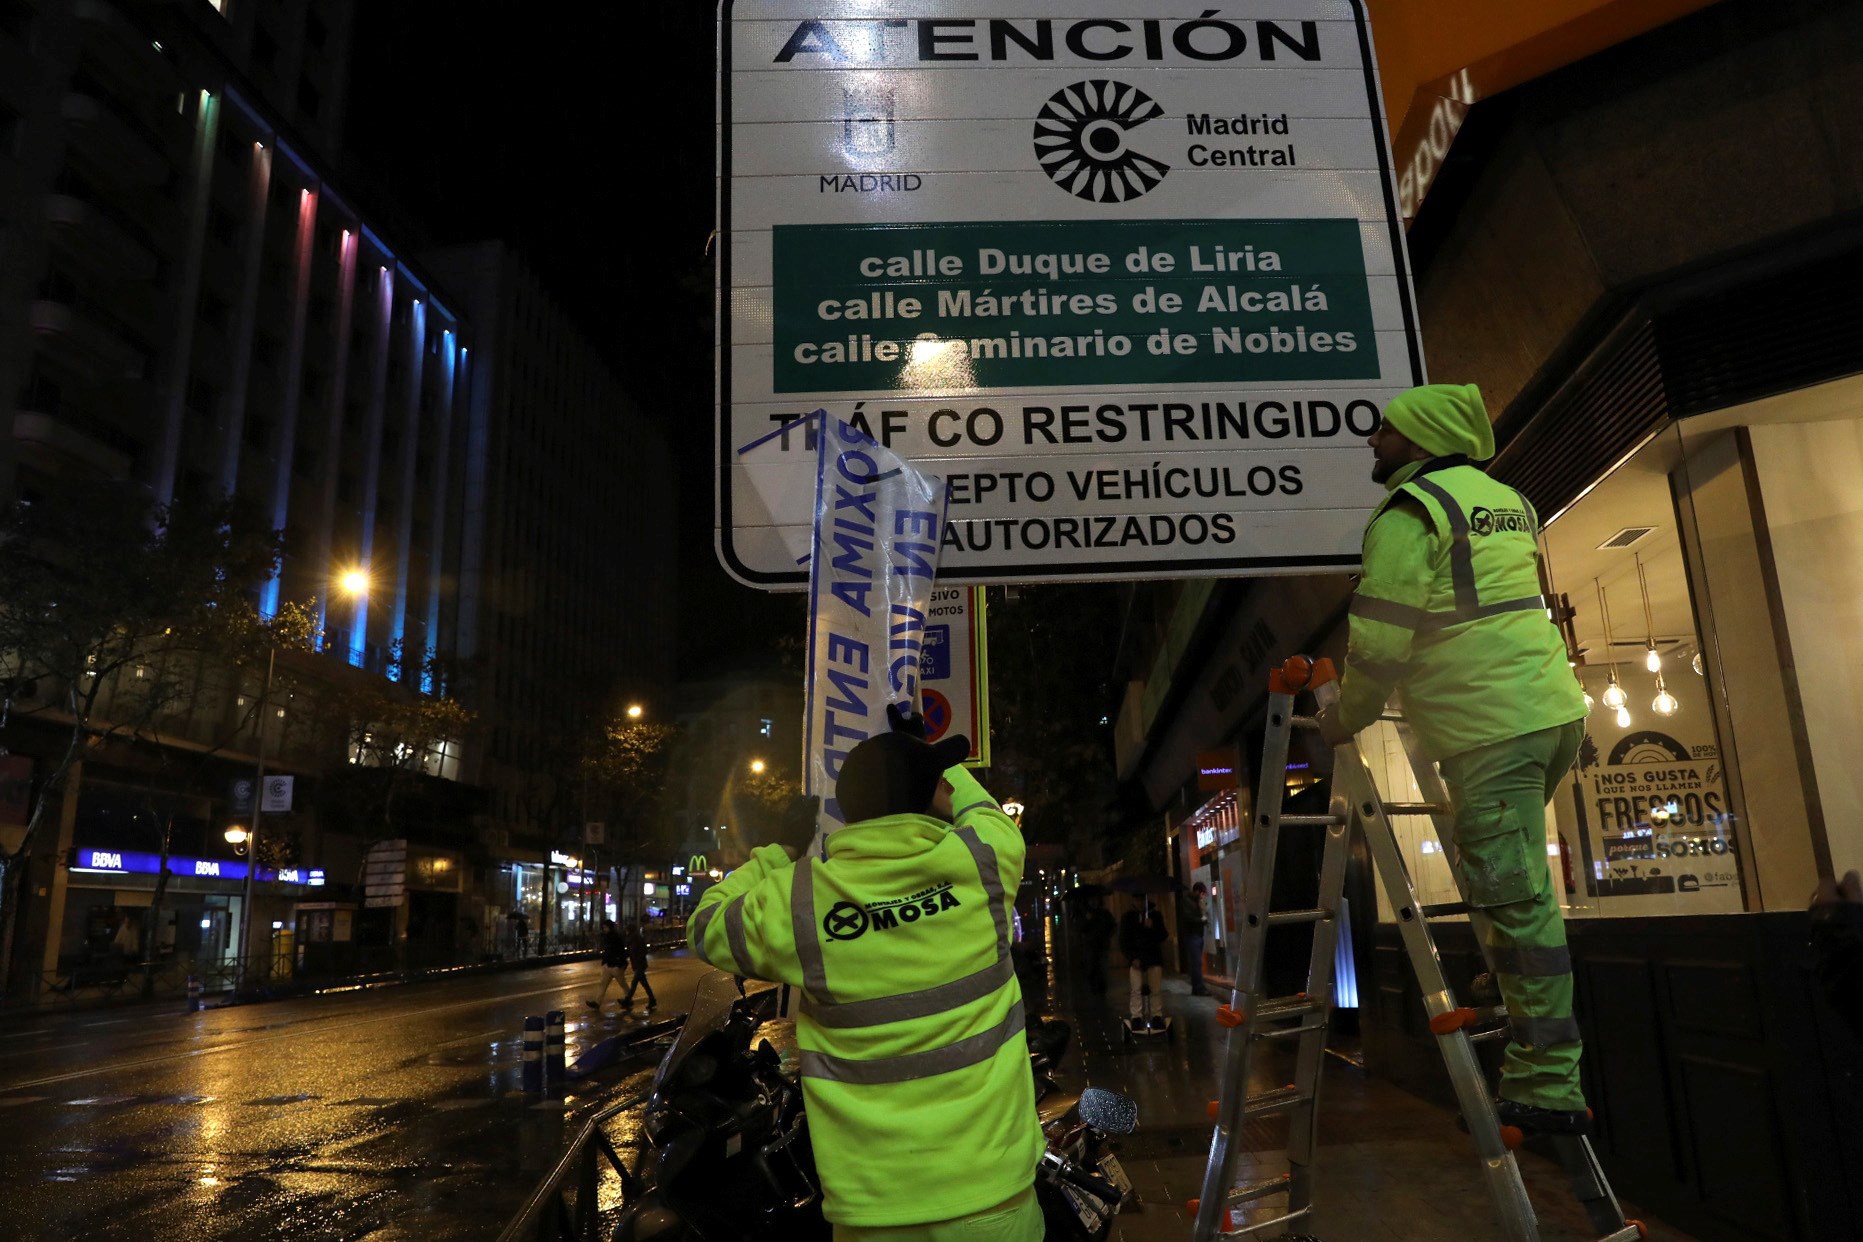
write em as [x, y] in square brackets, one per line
[1625, 537]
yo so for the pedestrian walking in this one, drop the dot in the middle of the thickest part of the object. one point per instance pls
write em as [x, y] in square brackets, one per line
[1096, 938]
[1449, 610]
[1192, 918]
[636, 945]
[1141, 939]
[520, 932]
[614, 963]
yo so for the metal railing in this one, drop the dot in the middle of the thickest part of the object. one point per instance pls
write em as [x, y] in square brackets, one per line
[566, 1205]
[100, 983]
[555, 1212]
[117, 980]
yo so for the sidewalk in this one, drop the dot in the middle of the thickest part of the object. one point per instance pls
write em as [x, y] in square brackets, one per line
[1391, 1167]
[172, 986]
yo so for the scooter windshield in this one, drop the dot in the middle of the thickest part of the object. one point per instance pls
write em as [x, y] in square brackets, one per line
[711, 1009]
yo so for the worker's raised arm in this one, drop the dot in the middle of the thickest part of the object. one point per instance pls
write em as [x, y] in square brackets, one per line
[1386, 610]
[973, 807]
[742, 923]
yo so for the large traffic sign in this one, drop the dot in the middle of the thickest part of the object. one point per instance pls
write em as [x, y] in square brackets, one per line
[1133, 281]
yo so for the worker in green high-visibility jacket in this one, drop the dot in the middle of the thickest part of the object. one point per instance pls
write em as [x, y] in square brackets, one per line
[912, 1042]
[1449, 613]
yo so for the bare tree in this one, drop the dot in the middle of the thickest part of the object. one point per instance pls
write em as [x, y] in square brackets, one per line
[248, 640]
[393, 733]
[103, 590]
[625, 774]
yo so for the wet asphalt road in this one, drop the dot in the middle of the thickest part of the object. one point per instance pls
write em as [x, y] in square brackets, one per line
[389, 1114]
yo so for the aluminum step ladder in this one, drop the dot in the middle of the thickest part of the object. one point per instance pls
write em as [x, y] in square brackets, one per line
[1304, 1017]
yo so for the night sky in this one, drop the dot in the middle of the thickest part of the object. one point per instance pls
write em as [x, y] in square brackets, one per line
[582, 135]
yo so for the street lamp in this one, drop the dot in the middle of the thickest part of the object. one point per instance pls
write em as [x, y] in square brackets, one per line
[1013, 810]
[354, 582]
[756, 766]
[237, 838]
[635, 711]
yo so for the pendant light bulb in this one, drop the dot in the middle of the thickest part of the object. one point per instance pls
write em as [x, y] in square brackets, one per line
[1614, 696]
[1623, 717]
[1665, 704]
[1696, 664]
[1652, 661]
[1590, 703]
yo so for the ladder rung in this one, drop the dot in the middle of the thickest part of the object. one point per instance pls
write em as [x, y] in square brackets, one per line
[1279, 1100]
[1258, 1190]
[1255, 1230]
[1287, 1007]
[1629, 1233]
[1281, 918]
[1397, 716]
[1489, 1035]
[1310, 821]
[1303, 722]
[1445, 909]
[1314, 1022]
[1418, 808]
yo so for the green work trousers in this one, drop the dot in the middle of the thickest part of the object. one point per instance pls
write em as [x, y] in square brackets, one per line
[1500, 794]
[1017, 1220]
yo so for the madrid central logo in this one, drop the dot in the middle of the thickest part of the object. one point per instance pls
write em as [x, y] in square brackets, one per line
[1081, 139]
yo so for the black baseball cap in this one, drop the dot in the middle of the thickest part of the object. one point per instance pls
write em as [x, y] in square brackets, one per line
[894, 774]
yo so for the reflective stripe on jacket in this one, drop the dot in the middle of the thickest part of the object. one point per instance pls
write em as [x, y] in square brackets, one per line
[1468, 641]
[913, 1052]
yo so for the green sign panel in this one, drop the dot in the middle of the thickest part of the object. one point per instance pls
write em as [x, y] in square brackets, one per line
[873, 307]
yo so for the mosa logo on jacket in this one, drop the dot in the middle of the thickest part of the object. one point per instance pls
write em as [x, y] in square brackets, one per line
[1483, 521]
[847, 920]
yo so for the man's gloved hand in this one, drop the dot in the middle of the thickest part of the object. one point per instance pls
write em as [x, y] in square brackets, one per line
[796, 827]
[912, 724]
[1331, 732]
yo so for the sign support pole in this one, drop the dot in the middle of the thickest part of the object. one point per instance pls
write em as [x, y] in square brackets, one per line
[252, 835]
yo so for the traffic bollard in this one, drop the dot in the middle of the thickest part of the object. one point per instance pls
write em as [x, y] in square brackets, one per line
[194, 994]
[533, 1055]
[553, 1048]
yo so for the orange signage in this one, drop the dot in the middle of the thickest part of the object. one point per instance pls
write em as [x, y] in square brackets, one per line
[1437, 59]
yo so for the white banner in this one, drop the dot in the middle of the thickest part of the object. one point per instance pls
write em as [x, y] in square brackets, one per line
[874, 556]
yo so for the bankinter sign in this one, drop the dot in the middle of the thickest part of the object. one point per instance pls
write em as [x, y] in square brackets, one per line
[1131, 281]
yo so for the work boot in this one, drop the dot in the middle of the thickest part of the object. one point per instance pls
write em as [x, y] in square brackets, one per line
[1531, 1119]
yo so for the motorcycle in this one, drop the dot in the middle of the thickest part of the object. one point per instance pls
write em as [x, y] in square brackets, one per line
[728, 1154]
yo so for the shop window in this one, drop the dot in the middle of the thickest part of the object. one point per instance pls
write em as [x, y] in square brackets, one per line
[1646, 822]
